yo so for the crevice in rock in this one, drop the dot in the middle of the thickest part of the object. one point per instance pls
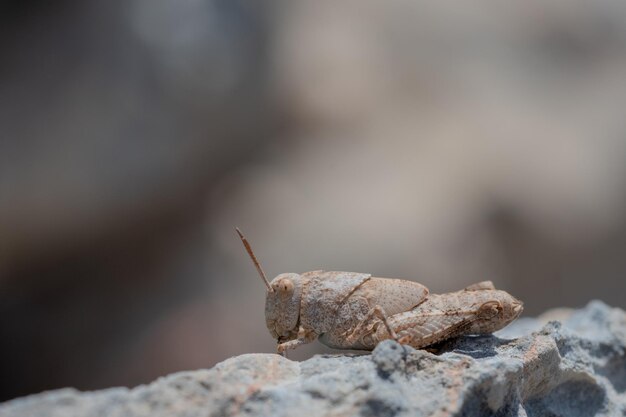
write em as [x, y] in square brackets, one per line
[574, 398]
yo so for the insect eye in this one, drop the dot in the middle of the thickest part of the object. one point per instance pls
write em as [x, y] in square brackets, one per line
[285, 286]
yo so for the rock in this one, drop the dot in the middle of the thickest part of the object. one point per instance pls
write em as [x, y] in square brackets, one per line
[573, 368]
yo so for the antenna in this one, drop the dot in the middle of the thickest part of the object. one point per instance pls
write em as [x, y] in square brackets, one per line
[254, 260]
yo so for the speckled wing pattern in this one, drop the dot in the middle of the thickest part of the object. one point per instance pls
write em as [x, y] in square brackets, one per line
[393, 295]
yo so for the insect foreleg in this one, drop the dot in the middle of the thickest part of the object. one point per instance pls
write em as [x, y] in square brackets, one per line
[304, 336]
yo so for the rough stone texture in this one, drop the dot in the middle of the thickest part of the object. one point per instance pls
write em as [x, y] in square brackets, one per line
[573, 368]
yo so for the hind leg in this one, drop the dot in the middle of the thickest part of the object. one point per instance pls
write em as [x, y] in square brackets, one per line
[421, 329]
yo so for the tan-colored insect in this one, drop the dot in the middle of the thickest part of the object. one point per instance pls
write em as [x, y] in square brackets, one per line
[350, 310]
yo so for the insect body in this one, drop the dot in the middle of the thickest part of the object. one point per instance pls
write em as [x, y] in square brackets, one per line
[349, 310]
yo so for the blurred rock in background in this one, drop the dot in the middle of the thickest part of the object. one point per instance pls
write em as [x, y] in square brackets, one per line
[445, 144]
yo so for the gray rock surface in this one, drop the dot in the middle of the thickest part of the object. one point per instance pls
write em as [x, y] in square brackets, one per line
[576, 367]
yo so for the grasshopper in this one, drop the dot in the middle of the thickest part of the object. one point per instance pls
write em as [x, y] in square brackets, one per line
[351, 310]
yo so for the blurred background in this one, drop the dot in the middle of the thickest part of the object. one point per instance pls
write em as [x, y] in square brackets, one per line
[442, 143]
